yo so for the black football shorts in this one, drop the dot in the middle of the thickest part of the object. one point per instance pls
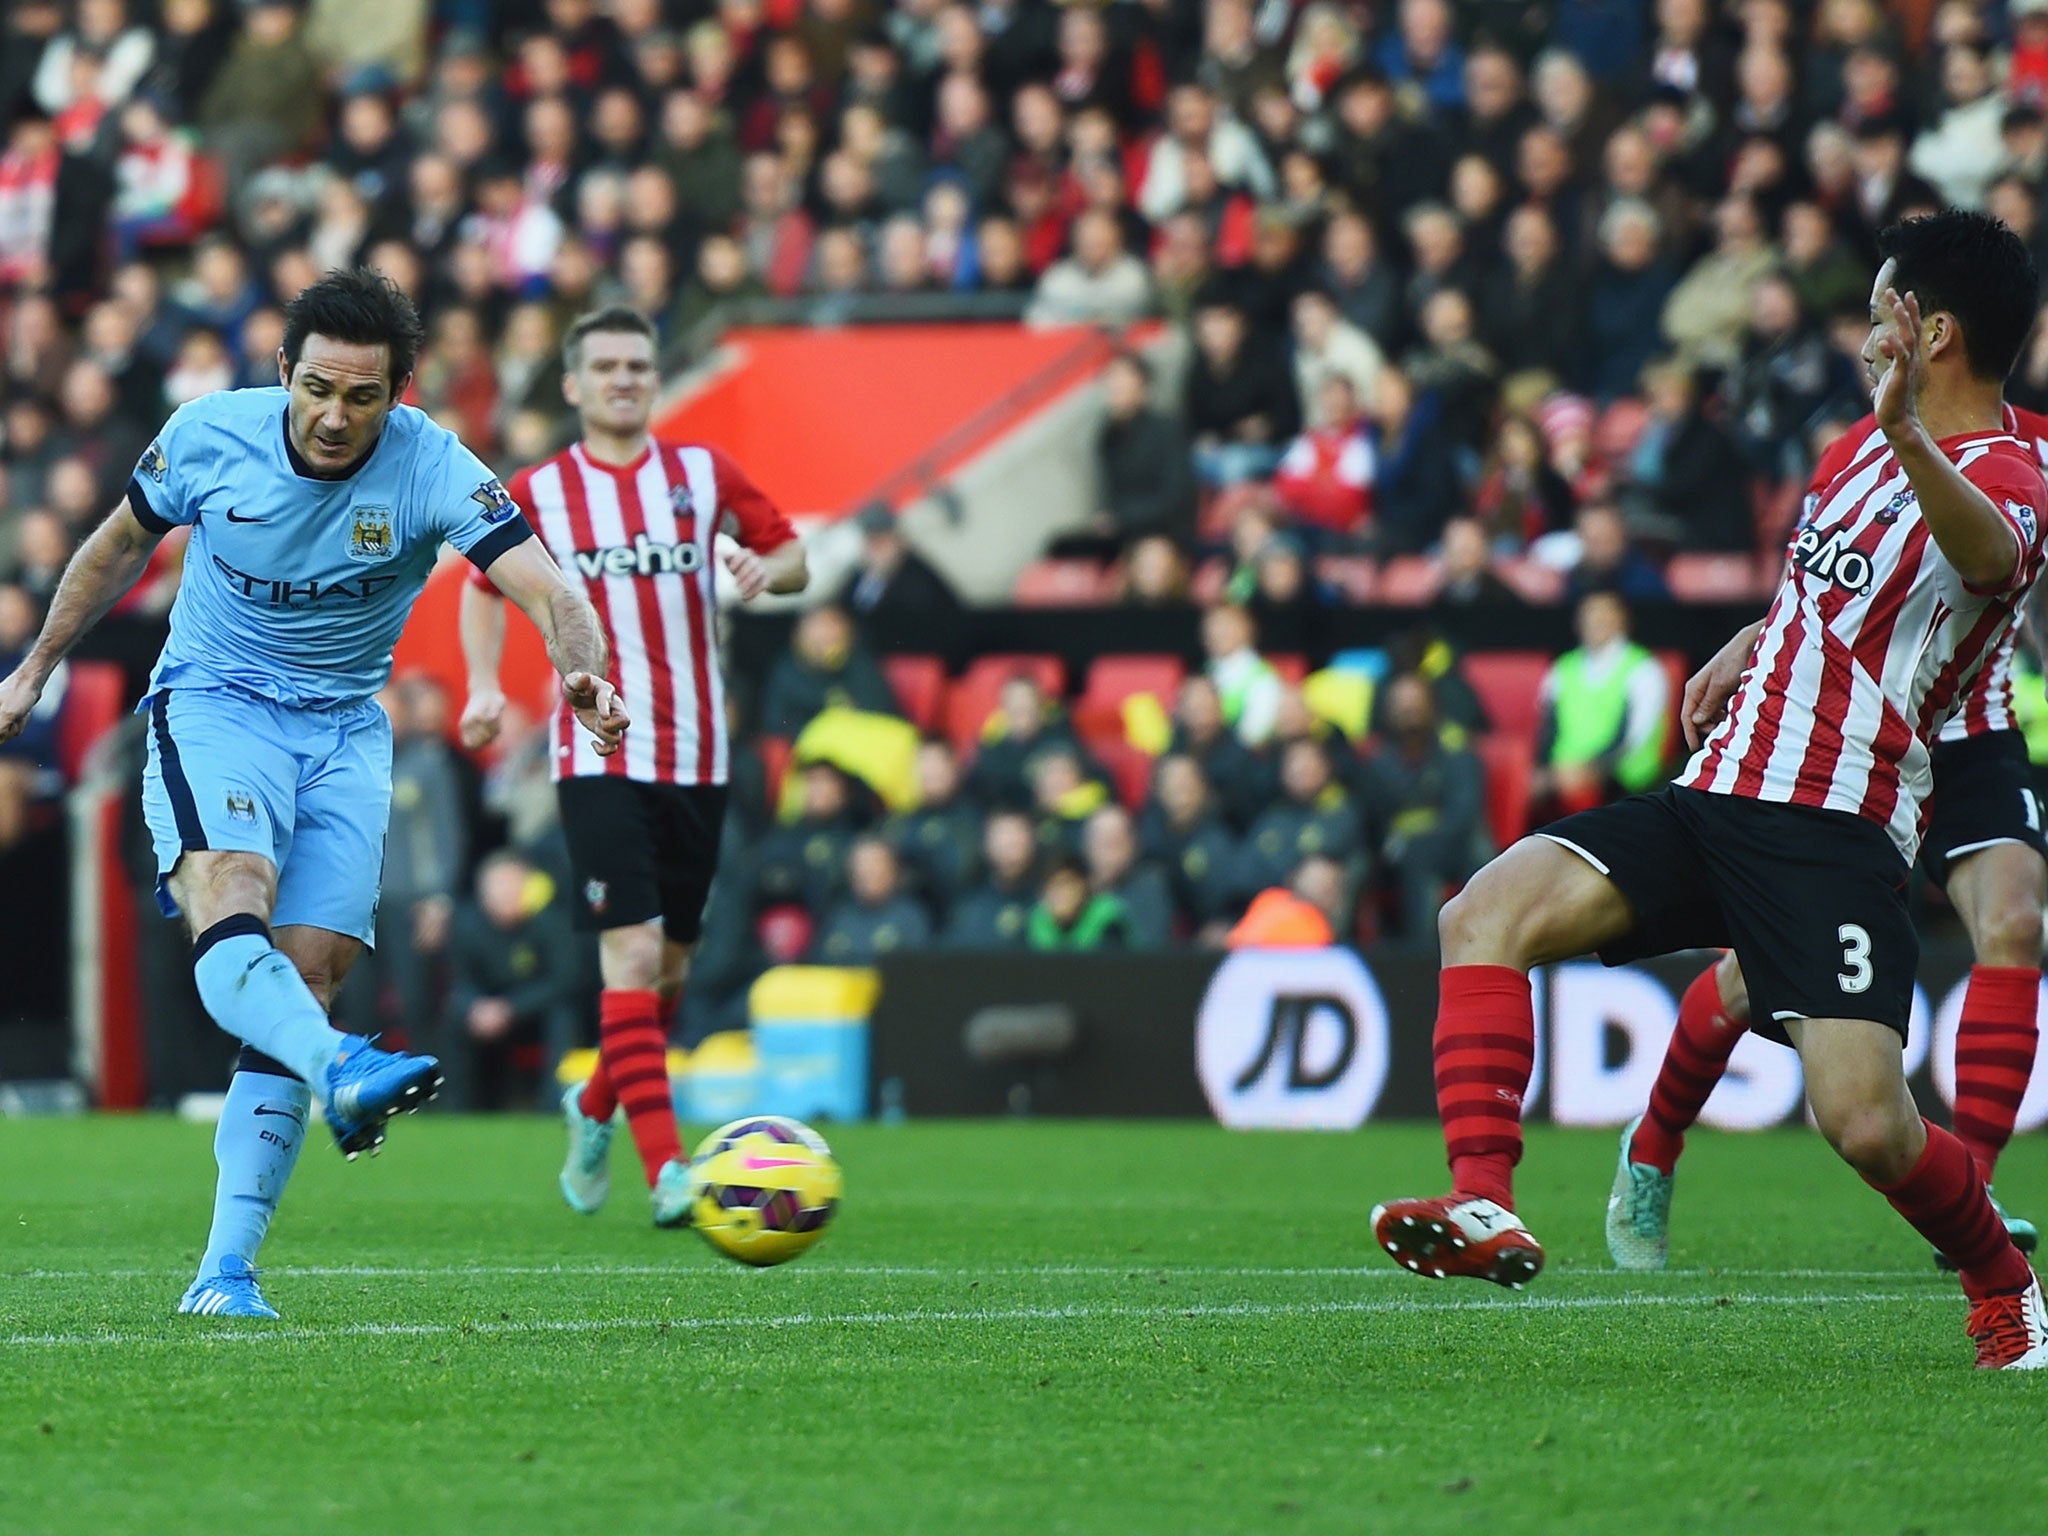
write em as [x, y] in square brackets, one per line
[641, 851]
[1982, 796]
[1811, 901]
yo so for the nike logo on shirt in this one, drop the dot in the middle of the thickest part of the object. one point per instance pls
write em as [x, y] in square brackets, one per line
[234, 519]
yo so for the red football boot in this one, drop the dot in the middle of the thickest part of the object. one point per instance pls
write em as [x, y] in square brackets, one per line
[1451, 1235]
[2011, 1331]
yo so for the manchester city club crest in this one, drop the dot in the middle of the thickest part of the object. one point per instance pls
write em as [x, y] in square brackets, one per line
[241, 807]
[596, 895]
[369, 535]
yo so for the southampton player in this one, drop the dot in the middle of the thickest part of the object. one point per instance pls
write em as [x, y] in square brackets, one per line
[1789, 835]
[317, 510]
[1983, 846]
[637, 521]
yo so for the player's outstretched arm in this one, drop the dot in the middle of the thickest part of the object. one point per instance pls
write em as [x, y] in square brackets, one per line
[1972, 534]
[481, 620]
[781, 570]
[106, 566]
[1708, 690]
[574, 638]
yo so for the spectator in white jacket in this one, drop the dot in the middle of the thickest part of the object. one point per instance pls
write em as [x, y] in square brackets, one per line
[1327, 345]
[125, 53]
[1965, 149]
[1195, 122]
[1100, 283]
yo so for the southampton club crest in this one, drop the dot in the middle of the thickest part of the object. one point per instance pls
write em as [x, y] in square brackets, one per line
[369, 534]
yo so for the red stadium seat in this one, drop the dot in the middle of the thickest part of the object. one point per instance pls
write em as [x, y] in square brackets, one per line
[1509, 761]
[1713, 578]
[1507, 683]
[1676, 670]
[919, 683]
[1355, 576]
[1112, 679]
[775, 754]
[1407, 581]
[92, 706]
[1620, 428]
[1061, 584]
[1533, 582]
[1129, 768]
[973, 697]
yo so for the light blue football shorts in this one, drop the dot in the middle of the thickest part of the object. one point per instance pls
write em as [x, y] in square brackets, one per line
[309, 789]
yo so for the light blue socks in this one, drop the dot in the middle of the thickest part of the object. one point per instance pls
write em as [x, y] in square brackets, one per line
[262, 1127]
[256, 994]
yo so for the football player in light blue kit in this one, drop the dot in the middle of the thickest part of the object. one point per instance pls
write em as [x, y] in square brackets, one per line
[317, 511]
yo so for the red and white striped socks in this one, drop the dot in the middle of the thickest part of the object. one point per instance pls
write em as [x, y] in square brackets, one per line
[1945, 1201]
[1485, 1051]
[1693, 1064]
[633, 1071]
[1995, 1044]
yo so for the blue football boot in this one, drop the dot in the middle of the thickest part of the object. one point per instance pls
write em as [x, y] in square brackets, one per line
[231, 1293]
[366, 1086]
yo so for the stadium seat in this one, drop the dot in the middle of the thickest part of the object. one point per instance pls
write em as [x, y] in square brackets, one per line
[1533, 581]
[1129, 768]
[919, 683]
[775, 754]
[1112, 679]
[1507, 684]
[1356, 577]
[1620, 428]
[1509, 761]
[1713, 578]
[973, 697]
[93, 705]
[1777, 509]
[1407, 581]
[1676, 670]
[1292, 668]
[1061, 584]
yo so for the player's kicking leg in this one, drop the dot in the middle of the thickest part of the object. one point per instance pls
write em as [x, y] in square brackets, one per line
[1538, 902]
[1856, 1083]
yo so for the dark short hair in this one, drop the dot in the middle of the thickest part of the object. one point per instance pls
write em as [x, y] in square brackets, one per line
[356, 304]
[613, 319]
[1134, 360]
[1974, 268]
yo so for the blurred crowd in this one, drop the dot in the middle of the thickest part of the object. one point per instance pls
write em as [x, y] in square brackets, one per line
[1483, 302]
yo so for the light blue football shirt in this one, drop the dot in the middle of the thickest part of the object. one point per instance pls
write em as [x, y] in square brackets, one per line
[295, 588]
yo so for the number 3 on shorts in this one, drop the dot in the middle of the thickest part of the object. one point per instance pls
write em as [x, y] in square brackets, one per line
[1856, 957]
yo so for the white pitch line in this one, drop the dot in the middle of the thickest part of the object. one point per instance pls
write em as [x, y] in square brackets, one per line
[1376, 1271]
[924, 1317]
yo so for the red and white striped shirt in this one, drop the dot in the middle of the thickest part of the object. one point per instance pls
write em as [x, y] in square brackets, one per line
[1873, 641]
[638, 539]
[1988, 705]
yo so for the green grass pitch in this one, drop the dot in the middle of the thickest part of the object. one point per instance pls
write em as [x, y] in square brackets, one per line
[1028, 1327]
